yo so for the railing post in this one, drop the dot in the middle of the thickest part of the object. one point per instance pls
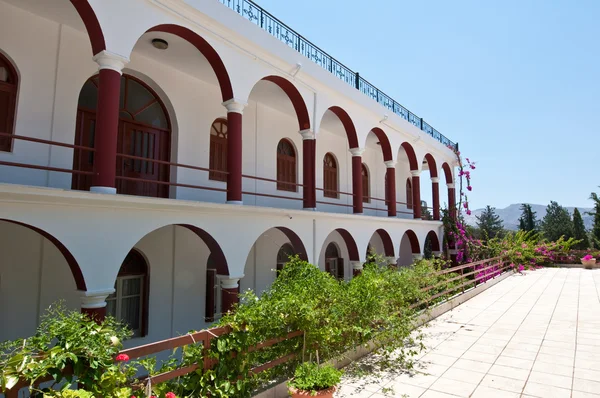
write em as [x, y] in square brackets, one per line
[357, 81]
[421, 122]
[262, 19]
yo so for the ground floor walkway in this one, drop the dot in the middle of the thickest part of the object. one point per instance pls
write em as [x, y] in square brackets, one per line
[531, 335]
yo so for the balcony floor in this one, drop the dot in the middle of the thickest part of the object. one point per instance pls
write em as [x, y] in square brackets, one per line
[532, 335]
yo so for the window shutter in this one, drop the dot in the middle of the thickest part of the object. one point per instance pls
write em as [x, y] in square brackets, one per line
[340, 268]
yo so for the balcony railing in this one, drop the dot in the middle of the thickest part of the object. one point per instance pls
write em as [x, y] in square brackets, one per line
[260, 17]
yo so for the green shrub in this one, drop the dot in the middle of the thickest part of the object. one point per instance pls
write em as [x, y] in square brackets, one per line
[312, 377]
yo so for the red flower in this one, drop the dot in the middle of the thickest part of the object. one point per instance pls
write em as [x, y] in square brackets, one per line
[170, 395]
[122, 357]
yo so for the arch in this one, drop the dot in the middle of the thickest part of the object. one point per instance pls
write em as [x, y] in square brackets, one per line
[144, 130]
[92, 26]
[410, 153]
[431, 165]
[216, 253]
[366, 184]
[217, 159]
[350, 244]
[409, 195]
[348, 125]
[296, 98]
[332, 251]
[414, 241]
[386, 239]
[9, 89]
[386, 148]
[284, 253]
[73, 265]
[286, 166]
[435, 242]
[447, 173]
[296, 243]
[207, 50]
[330, 176]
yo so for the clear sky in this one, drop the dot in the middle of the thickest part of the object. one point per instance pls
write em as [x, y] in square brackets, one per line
[516, 83]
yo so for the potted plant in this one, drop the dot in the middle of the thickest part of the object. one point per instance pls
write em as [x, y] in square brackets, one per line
[312, 379]
[588, 261]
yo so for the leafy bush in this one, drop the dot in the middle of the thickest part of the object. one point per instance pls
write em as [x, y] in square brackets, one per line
[311, 377]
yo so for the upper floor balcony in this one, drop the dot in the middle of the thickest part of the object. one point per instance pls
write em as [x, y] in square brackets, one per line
[189, 101]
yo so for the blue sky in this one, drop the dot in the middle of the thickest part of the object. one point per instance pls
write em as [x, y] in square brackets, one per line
[516, 83]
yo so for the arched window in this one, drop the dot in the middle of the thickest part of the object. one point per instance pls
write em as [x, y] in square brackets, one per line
[283, 256]
[144, 131]
[129, 302]
[218, 150]
[330, 176]
[286, 166]
[365, 184]
[8, 101]
[334, 264]
[409, 196]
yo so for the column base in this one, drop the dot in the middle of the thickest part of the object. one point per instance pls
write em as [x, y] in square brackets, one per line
[235, 202]
[310, 208]
[107, 190]
[358, 213]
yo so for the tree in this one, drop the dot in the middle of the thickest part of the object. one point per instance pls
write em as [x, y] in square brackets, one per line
[557, 222]
[489, 223]
[527, 221]
[596, 213]
[579, 231]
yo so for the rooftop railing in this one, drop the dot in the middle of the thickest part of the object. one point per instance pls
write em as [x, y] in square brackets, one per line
[260, 17]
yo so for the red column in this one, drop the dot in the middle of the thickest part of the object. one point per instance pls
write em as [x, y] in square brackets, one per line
[435, 187]
[357, 188]
[416, 191]
[107, 121]
[309, 146]
[94, 304]
[452, 200]
[230, 291]
[391, 187]
[235, 109]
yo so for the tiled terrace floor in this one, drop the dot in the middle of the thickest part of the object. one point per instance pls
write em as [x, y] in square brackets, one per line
[532, 335]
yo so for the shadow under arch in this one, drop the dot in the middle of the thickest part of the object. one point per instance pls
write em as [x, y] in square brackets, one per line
[218, 257]
[386, 239]
[434, 240]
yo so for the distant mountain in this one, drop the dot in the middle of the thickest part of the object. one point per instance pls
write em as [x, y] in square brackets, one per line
[510, 215]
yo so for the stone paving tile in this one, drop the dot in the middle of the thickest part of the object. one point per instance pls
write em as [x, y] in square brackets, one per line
[527, 336]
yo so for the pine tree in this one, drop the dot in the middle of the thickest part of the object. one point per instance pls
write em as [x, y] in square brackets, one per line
[557, 222]
[596, 213]
[527, 221]
[579, 231]
[489, 223]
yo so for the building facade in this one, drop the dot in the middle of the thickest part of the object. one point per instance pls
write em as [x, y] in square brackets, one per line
[159, 156]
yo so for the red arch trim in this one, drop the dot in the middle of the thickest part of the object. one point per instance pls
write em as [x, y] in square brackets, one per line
[388, 245]
[73, 265]
[433, 172]
[350, 244]
[218, 256]
[296, 98]
[435, 242]
[92, 26]
[414, 241]
[348, 125]
[412, 158]
[296, 242]
[447, 173]
[206, 49]
[386, 148]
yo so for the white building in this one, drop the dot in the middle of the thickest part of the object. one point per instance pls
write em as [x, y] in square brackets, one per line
[183, 149]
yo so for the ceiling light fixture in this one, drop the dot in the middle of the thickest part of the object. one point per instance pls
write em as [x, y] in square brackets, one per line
[160, 44]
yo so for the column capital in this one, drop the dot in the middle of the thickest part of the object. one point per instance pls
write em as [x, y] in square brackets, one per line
[357, 265]
[392, 260]
[108, 60]
[415, 173]
[95, 299]
[307, 134]
[437, 253]
[435, 180]
[390, 164]
[228, 282]
[235, 105]
[357, 151]
[451, 185]
[417, 256]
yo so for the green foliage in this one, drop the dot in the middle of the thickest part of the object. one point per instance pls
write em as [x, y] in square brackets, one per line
[312, 377]
[527, 221]
[557, 222]
[69, 339]
[490, 224]
[579, 231]
[596, 213]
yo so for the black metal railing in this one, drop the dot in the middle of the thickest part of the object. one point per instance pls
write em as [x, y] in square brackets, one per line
[258, 16]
